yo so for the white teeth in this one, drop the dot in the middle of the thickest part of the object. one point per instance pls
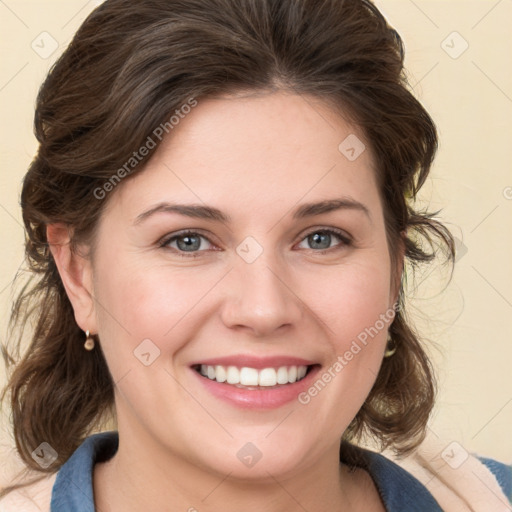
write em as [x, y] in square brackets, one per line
[232, 375]
[282, 375]
[220, 374]
[267, 377]
[249, 377]
[252, 377]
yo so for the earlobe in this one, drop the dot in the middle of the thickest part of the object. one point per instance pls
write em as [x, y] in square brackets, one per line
[76, 274]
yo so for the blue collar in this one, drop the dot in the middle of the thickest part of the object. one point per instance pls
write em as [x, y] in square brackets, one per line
[73, 487]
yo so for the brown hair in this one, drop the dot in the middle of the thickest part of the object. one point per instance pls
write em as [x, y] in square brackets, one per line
[130, 66]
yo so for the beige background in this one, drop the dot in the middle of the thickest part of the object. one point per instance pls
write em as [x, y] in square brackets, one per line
[469, 94]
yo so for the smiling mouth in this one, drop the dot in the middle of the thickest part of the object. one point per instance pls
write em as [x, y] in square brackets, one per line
[252, 378]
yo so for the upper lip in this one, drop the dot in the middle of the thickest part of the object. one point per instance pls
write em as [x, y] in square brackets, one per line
[249, 361]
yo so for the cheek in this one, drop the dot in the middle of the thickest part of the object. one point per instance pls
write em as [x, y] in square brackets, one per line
[351, 307]
[355, 306]
[352, 299]
[136, 302]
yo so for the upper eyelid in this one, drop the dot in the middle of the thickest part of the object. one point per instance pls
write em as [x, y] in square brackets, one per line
[167, 238]
[340, 233]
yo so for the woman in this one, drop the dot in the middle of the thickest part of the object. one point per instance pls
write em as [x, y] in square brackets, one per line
[220, 212]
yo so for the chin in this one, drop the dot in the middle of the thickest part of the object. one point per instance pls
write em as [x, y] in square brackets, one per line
[251, 459]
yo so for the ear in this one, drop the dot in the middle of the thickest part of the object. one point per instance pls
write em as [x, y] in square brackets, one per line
[76, 274]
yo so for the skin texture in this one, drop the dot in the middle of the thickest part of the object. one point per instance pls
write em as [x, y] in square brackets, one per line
[257, 158]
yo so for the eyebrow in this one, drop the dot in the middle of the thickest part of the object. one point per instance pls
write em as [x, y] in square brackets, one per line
[210, 213]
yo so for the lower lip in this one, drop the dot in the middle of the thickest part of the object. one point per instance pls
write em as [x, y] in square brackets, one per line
[261, 397]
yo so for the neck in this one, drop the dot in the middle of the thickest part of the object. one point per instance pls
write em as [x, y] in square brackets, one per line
[143, 476]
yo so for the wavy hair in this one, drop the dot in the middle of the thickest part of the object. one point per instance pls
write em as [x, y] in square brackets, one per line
[129, 67]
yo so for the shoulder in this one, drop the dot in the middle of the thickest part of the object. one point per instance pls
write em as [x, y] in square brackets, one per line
[457, 478]
[399, 489]
[34, 497]
[502, 473]
[58, 489]
[74, 483]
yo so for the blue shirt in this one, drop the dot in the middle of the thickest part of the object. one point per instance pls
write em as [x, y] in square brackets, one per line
[399, 490]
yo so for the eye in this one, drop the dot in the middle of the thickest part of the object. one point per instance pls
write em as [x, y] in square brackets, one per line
[186, 242]
[322, 238]
[190, 243]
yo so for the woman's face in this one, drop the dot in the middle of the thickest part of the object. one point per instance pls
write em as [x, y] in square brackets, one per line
[272, 286]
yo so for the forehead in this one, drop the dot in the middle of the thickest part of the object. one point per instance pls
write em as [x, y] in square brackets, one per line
[255, 151]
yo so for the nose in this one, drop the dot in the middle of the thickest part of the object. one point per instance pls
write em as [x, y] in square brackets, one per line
[261, 300]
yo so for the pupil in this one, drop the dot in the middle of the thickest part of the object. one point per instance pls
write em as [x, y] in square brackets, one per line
[188, 242]
[317, 239]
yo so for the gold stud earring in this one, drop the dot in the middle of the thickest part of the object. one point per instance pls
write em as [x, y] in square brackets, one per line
[89, 341]
[390, 347]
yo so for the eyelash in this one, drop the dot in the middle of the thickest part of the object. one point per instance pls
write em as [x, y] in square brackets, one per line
[346, 241]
